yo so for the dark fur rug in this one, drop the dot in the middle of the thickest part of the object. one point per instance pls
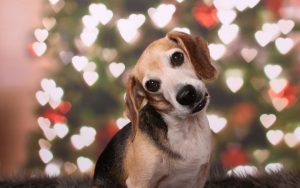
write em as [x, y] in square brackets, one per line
[281, 179]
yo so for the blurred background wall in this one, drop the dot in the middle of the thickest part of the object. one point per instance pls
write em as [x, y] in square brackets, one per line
[19, 78]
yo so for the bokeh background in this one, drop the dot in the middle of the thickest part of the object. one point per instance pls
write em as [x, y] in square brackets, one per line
[64, 66]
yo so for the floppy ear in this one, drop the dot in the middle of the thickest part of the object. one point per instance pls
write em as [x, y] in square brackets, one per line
[134, 98]
[197, 50]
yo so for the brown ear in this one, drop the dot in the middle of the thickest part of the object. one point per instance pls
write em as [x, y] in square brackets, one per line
[197, 49]
[133, 99]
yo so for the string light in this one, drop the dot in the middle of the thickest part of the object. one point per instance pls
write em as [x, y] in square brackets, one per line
[161, 15]
[272, 168]
[248, 54]
[216, 123]
[84, 164]
[274, 136]
[272, 71]
[52, 169]
[128, 28]
[227, 33]
[121, 122]
[267, 120]
[45, 155]
[234, 79]
[216, 51]
[243, 171]
[116, 69]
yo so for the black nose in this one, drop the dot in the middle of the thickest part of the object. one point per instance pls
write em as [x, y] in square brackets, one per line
[187, 95]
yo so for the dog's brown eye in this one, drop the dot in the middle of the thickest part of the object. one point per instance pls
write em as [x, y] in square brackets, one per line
[152, 85]
[177, 58]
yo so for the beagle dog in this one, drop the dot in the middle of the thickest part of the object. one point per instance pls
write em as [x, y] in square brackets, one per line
[168, 142]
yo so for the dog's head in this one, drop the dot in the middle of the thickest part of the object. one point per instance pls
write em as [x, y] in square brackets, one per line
[169, 75]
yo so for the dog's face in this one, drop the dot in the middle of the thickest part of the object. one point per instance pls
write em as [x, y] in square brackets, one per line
[170, 74]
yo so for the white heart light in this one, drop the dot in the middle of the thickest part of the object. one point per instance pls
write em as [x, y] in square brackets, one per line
[116, 69]
[272, 168]
[56, 94]
[225, 5]
[90, 22]
[121, 122]
[41, 34]
[45, 155]
[89, 36]
[252, 3]
[43, 122]
[49, 133]
[216, 123]
[101, 12]
[272, 71]
[243, 171]
[53, 2]
[52, 170]
[88, 135]
[297, 133]
[90, 77]
[262, 38]
[277, 85]
[227, 33]
[279, 103]
[286, 26]
[248, 54]
[234, 83]
[241, 5]
[161, 15]
[79, 62]
[77, 142]
[284, 45]
[84, 164]
[274, 136]
[216, 51]
[42, 97]
[49, 23]
[91, 66]
[48, 85]
[54, 103]
[271, 29]
[267, 120]
[291, 140]
[182, 29]
[61, 129]
[39, 48]
[128, 28]
[226, 16]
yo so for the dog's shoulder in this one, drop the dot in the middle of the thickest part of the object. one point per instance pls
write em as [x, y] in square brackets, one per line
[109, 171]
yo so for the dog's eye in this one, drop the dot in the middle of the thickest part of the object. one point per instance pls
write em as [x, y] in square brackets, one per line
[177, 58]
[152, 85]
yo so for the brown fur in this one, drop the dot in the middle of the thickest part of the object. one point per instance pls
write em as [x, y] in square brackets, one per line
[197, 51]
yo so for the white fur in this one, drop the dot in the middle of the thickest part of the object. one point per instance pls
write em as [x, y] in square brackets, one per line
[191, 138]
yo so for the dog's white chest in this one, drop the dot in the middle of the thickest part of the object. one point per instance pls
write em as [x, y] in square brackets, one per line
[193, 142]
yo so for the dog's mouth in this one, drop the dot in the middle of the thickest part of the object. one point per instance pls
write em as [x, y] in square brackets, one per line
[201, 104]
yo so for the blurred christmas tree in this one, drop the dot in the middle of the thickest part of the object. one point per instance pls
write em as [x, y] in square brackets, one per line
[254, 111]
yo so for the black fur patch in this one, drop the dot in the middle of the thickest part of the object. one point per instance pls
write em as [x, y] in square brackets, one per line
[109, 168]
[152, 124]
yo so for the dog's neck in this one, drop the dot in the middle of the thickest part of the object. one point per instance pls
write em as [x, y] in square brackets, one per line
[168, 133]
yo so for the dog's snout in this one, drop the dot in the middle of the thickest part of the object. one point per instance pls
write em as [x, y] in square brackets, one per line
[187, 95]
